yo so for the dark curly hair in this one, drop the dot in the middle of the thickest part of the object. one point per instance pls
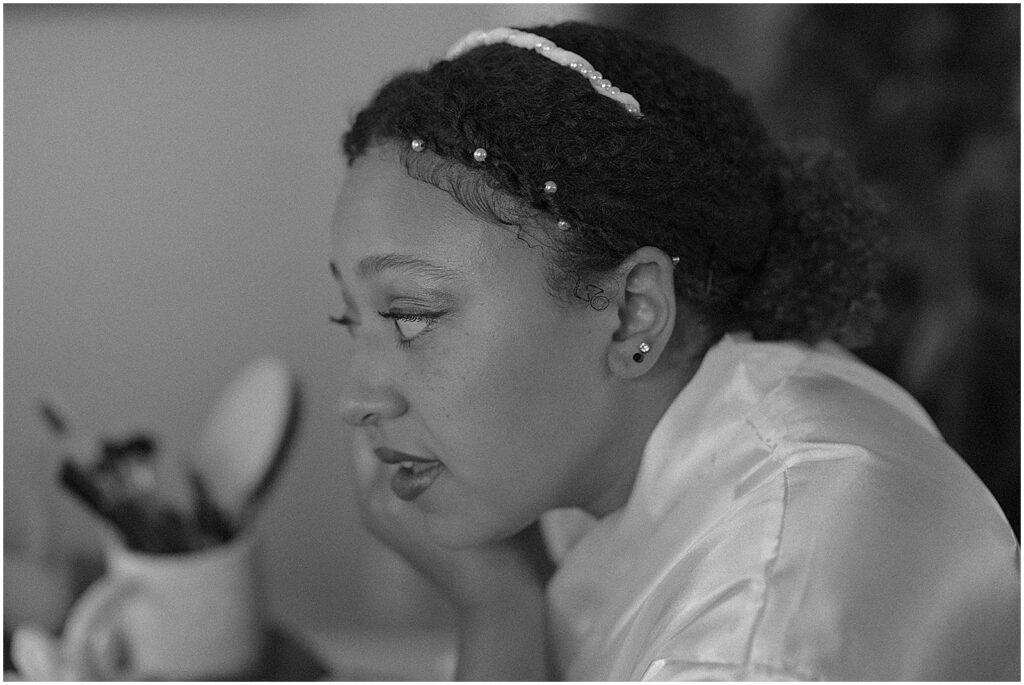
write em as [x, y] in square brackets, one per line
[781, 243]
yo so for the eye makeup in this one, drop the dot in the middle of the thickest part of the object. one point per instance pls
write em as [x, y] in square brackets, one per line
[417, 306]
[413, 309]
[408, 325]
[411, 325]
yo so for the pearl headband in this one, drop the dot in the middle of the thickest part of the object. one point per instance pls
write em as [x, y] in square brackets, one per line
[545, 48]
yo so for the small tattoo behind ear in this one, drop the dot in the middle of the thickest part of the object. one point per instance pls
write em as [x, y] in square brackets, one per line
[591, 294]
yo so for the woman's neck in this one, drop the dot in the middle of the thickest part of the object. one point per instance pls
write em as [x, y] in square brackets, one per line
[643, 403]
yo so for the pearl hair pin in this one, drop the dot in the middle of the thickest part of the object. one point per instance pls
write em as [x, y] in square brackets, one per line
[550, 188]
[480, 155]
[545, 48]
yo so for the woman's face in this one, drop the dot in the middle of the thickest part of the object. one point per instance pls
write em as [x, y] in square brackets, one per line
[458, 355]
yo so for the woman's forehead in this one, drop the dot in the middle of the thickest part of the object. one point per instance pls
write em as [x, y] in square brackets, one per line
[383, 211]
[380, 202]
[377, 183]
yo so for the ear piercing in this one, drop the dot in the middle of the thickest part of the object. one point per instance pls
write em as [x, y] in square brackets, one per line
[644, 349]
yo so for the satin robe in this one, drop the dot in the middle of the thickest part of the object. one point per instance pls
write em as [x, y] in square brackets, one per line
[796, 515]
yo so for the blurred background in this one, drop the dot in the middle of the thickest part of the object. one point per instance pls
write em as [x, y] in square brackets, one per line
[169, 174]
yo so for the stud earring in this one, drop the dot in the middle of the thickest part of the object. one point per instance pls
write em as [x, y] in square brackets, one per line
[644, 349]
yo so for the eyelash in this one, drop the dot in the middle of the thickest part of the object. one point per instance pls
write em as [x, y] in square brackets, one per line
[395, 316]
[410, 317]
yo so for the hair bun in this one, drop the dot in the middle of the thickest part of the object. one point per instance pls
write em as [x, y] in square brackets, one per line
[823, 267]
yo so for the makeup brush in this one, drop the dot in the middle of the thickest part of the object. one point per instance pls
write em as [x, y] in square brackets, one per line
[72, 440]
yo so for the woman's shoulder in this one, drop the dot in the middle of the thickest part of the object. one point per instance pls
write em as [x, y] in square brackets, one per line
[840, 564]
[797, 395]
[800, 515]
[856, 543]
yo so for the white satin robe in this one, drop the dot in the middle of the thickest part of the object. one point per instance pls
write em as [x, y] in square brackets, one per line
[796, 515]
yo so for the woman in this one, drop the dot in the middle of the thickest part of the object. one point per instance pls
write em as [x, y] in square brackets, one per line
[608, 303]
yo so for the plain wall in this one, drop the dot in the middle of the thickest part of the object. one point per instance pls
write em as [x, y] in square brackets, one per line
[169, 173]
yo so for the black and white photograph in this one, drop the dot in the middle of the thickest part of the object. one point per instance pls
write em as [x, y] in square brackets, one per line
[511, 342]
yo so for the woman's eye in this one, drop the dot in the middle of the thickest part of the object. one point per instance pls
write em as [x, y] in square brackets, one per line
[410, 326]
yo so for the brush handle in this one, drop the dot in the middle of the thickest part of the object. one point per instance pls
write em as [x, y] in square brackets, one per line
[75, 480]
[131, 518]
[212, 521]
[82, 447]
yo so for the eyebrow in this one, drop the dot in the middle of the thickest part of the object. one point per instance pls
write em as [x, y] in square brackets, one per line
[376, 264]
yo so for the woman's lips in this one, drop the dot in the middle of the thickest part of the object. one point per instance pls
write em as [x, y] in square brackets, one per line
[410, 481]
[414, 474]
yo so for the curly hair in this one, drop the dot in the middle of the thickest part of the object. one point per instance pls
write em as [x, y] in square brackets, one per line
[781, 243]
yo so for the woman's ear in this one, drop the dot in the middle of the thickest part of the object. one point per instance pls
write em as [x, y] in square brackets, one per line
[647, 313]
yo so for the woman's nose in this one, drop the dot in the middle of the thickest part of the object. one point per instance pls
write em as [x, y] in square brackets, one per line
[368, 395]
[363, 405]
